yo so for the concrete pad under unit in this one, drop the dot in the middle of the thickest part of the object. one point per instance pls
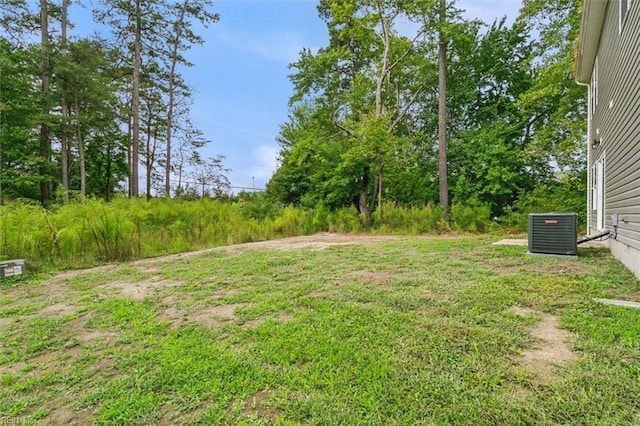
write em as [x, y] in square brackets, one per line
[522, 242]
[510, 242]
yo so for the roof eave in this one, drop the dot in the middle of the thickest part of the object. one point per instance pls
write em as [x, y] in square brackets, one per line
[590, 28]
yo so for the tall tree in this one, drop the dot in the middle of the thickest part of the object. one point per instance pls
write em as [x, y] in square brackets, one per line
[555, 106]
[19, 115]
[64, 136]
[135, 99]
[368, 78]
[180, 39]
[137, 26]
[45, 137]
[191, 141]
[210, 173]
[442, 110]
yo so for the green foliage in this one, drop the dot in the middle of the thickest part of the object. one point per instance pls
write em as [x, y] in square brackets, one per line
[428, 219]
[20, 160]
[516, 119]
[346, 219]
[569, 195]
[474, 216]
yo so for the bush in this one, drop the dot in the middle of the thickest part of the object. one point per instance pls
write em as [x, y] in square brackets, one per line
[558, 197]
[474, 216]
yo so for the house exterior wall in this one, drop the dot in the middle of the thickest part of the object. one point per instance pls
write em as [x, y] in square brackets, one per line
[615, 122]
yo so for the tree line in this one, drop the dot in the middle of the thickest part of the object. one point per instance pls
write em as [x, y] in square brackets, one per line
[80, 114]
[411, 104]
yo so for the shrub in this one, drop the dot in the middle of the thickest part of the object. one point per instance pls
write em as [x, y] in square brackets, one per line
[474, 216]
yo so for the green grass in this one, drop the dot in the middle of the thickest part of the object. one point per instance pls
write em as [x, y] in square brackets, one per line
[396, 331]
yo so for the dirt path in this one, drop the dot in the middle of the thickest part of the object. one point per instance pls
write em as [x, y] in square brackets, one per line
[552, 347]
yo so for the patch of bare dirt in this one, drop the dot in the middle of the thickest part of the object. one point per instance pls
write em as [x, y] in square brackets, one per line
[522, 312]
[225, 312]
[211, 317]
[76, 272]
[318, 241]
[140, 290]
[168, 418]
[5, 322]
[105, 363]
[86, 336]
[174, 316]
[374, 277]
[320, 293]
[60, 415]
[552, 348]
[258, 404]
[57, 310]
[148, 269]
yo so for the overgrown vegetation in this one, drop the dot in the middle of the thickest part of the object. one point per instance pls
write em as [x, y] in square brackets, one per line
[92, 232]
[371, 331]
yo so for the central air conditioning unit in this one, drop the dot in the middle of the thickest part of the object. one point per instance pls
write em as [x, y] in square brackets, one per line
[553, 233]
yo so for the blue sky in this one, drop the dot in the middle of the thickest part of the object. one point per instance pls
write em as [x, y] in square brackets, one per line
[240, 76]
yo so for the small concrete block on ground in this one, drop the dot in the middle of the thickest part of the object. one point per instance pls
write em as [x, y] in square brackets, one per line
[624, 303]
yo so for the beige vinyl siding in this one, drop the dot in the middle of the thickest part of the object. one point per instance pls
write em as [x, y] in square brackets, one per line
[618, 118]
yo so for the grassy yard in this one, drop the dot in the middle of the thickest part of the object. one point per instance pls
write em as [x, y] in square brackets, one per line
[337, 330]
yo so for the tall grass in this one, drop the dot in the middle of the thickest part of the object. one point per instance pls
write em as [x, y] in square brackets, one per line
[92, 232]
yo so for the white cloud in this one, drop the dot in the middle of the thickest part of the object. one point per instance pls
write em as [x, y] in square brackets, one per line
[489, 10]
[280, 45]
[267, 158]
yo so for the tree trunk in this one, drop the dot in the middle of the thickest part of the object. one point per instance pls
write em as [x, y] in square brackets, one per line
[130, 135]
[80, 142]
[151, 158]
[363, 205]
[380, 176]
[135, 103]
[442, 114]
[64, 137]
[148, 163]
[384, 71]
[107, 189]
[1, 202]
[172, 89]
[45, 137]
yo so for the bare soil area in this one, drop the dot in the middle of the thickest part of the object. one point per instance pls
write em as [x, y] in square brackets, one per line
[552, 345]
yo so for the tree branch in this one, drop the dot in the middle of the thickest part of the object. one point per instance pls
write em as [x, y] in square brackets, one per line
[405, 110]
